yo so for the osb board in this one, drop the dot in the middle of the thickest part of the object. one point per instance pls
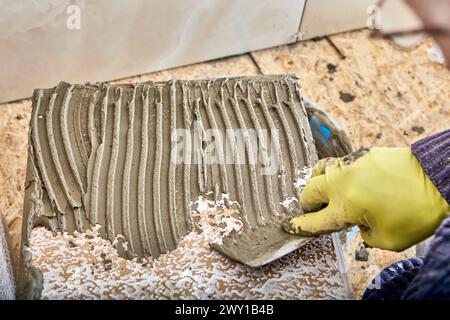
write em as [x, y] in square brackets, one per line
[14, 121]
[395, 92]
[363, 272]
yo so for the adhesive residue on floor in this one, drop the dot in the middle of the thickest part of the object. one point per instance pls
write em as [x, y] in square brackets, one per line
[85, 266]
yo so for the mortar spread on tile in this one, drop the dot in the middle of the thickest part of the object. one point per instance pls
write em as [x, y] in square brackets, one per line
[103, 154]
[107, 155]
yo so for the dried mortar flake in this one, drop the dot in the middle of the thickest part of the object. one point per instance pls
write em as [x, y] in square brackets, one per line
[85, 266]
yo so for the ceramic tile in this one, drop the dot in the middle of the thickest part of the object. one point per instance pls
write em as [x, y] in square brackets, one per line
[45, 42]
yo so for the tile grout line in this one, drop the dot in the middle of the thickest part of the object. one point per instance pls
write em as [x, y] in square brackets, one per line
[299, 35]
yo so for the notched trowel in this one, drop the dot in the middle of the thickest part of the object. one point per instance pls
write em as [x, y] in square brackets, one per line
[266, 241]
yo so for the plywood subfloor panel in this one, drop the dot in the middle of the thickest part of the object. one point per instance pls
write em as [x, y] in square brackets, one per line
[14, 119]
[396, 93]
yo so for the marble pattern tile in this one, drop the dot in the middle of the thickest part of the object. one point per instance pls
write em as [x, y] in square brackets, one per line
[322, 17]
[77, 41]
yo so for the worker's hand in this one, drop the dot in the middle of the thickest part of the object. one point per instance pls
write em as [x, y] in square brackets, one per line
[382, 190]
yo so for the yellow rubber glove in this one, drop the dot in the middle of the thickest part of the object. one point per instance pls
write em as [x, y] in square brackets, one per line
[382, 190]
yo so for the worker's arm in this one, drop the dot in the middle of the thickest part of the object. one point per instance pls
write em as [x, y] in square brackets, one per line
[397, 196]
[432, 280]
